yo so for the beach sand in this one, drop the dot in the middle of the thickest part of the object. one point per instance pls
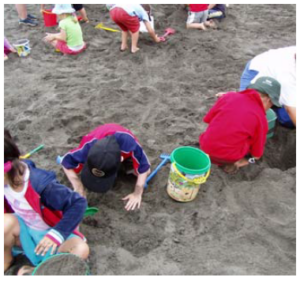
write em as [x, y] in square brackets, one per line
[242, 224]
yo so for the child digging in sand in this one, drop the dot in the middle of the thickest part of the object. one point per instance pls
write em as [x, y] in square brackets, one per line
[69, 41]
[128, 18]
[99, 156]
[41, 215]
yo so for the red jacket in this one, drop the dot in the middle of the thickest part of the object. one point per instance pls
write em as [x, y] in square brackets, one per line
[237, 126]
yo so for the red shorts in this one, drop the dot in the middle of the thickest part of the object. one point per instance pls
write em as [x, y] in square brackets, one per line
[63, 47]
[125, 21]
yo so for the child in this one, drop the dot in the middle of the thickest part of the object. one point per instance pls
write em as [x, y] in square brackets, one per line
[79, 8]
[8, 48]
[99, 156]
[128, 18]
[69, 40]
[46, 213]
[197, 17]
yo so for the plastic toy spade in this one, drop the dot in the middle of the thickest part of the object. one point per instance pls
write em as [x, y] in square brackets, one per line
[101, 26]
[169, 31]
[165, 159]
[32, 151]
[90, 211]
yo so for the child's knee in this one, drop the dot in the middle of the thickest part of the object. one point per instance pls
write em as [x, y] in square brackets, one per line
[81, 250]
[11, 224]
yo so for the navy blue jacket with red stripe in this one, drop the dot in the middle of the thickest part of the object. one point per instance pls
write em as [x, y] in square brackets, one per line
[60, 207]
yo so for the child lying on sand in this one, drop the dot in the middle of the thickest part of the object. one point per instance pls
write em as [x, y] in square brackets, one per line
[41, 215]
[69, 40]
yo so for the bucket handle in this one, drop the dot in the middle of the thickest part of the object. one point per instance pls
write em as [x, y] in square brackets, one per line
[46, 12]
[196, 180]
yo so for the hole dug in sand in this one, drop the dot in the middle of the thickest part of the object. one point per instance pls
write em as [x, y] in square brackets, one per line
[280, 151]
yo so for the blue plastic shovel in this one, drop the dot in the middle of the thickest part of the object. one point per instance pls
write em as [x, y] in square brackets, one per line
[165, 159]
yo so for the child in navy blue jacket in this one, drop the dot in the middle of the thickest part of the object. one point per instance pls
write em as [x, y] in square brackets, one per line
[41, 215]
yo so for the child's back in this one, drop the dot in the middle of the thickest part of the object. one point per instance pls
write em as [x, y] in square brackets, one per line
[73, 31]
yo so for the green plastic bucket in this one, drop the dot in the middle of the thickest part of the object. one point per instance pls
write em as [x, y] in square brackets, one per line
[189, 169]
[271, 117]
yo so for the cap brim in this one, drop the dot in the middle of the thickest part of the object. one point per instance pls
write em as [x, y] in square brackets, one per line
[276, 103]
[96, 184]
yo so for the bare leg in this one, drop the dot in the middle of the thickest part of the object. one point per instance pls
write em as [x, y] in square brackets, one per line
[200, 26]
[83, 14]
[22, 11]
[134, 41]
[75, 246]
[124, 45]
[11, 238]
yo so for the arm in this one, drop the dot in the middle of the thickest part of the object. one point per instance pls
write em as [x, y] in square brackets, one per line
[292, 113]
[210, 6]
[62, 36]
[151, 32]
[135, 198]
[60, 198]
[75, 181]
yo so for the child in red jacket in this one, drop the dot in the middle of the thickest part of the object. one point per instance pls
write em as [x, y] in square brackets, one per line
[41, 215]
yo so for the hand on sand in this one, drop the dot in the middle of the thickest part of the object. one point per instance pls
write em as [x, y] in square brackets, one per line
[43, 247]
[49, 37]
[220, 94]
[134, 201]
[230, 169]
[158, 39]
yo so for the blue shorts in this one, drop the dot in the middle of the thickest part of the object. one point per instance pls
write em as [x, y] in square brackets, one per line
[29, 240]
[282, 115]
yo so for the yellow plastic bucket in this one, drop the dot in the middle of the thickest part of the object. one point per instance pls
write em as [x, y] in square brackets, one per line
[189, 169]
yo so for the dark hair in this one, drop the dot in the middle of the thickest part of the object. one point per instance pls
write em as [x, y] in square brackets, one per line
[12, 153]
[147, 8]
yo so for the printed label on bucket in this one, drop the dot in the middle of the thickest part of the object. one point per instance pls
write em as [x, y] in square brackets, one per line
[182, 194]
[22, 47]
[180, 189]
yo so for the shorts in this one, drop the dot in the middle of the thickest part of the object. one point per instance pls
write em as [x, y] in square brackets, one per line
[77, 7]
[125, 21]
[197, 17]
[29, 240]
[63, 47]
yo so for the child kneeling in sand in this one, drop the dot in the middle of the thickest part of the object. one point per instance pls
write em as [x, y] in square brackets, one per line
[197, 17]
[69, 41]
[128, 18]
[41, 215]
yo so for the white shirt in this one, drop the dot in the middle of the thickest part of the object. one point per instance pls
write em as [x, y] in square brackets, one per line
[279, 64]
[21, 207]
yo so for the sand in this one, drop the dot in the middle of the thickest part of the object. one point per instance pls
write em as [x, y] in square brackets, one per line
[242, 224]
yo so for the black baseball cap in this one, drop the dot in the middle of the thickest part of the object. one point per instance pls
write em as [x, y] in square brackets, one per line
[102, 165]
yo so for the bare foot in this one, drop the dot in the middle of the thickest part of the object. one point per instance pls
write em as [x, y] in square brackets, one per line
[123, 48]
[134, 50]
[25, 270]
